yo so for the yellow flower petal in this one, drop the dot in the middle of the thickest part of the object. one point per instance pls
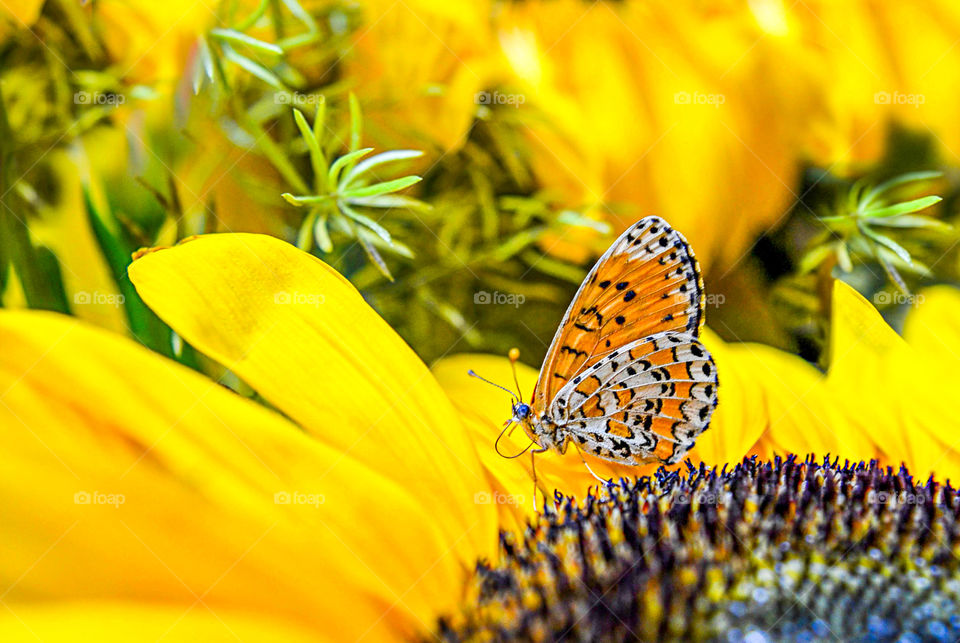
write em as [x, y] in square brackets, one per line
[895, 389]
[65, 228]
[24, 13]
[129, 621]
[860, 343]
[857, 329]
[155, 484]
[933, 327]
[301, 335]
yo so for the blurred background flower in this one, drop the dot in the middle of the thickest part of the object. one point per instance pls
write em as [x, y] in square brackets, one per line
[544, 127]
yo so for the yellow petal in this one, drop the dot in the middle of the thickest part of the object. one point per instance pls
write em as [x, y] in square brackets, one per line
[896, 389]
[304, 338]
[933, 327]
[893, 391]
[65, 228]
[857, 330]
[130, 621]
[132, 478]
[24, 13]
[860, 343]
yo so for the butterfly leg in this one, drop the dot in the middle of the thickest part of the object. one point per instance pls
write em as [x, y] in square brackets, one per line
[533, 469]
[606, 483]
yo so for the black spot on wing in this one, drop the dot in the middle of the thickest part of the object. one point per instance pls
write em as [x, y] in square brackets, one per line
[572, 351]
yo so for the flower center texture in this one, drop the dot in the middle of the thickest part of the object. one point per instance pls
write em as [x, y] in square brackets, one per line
[767, 551]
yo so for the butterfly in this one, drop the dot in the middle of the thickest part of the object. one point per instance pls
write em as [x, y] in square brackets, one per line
[626, 378]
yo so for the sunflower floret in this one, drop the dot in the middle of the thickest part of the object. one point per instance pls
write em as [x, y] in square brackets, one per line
[788, 549]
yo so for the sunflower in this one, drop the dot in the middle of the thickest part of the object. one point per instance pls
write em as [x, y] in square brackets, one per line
[662, 115]
[419, 67]
[150, 41]
[365, 495]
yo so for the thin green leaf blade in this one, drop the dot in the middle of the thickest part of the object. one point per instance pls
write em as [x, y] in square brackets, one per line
[377, 160]
[382, 188]
[905, 207]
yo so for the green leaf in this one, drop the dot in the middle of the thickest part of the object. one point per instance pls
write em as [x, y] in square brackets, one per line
[843, 257]
[317, 160]
[903, 208]
[392, 201]
[911, 221]
[203, 66]
[366, 221]
[320, 117]
[516, 243]
[401, 249]
[812, 259]
[854, 197]
[300, 201]
[363, 236]
[252, 19]
[252, 67]
[834, 219]
[239, 37]
[572, 217]
[552, 267]
[375, 161]
[144, 324]
[322, 235]
[302, 15]
[305, 234]
[911, 266]
[896, 181]
[343, 162]
[893, 246]
[300, 40]
[382, 188]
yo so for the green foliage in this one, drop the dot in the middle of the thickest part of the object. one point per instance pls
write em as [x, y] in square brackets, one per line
[457, 248]
[862, 224]
[474, 223]
[347, 190]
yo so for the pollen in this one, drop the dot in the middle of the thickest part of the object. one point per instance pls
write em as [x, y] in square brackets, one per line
[788, 549]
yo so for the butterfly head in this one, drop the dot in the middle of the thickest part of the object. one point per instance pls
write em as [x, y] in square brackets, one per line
[521, 412]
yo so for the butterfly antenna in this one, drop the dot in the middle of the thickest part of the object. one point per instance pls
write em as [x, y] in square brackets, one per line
[512, 394]
[514, 355]
[496, 445]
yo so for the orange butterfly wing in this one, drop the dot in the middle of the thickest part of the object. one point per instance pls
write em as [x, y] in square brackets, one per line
[647, 282]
